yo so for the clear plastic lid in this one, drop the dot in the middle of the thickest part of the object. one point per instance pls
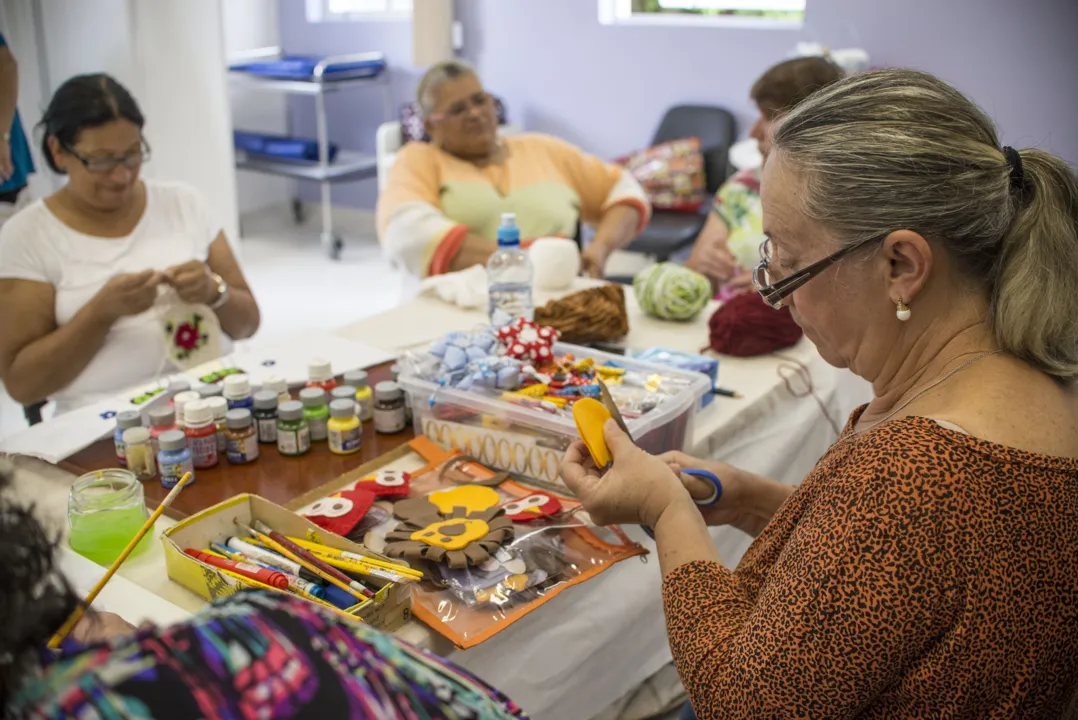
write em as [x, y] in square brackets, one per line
[172, 440]
[237, 387]
[320, 370]
[162, 416]
[312, 397]
[356, 378]
[343, 409]
[136, 436]
[238, 419]
[198, 413]
[129, 419]
[266, 400]
[291, 410]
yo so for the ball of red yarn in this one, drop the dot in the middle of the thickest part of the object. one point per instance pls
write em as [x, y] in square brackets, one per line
[745, 326]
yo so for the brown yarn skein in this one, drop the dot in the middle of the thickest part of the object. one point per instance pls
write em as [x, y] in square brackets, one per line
[593, 315]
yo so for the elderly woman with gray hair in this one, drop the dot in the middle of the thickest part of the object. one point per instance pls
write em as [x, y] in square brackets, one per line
[444, 199]
[928, 566]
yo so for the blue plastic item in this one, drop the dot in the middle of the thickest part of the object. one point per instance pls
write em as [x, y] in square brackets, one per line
[279, 147]
[301, 67]
[683, 361]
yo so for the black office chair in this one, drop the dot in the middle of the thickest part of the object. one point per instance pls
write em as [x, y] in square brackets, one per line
[668, 232]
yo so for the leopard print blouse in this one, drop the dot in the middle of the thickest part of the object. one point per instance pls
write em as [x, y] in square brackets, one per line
[917, 573]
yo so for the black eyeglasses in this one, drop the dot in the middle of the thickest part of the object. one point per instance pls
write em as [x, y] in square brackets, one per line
[775, 292]
[105, 165]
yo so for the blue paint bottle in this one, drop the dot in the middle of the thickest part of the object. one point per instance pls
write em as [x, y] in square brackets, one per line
[238, 393]
[175, 459]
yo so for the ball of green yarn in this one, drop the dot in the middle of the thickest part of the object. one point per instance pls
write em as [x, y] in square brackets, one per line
[671, 291]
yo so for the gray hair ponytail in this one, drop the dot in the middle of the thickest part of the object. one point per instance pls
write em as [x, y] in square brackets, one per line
[899, 149]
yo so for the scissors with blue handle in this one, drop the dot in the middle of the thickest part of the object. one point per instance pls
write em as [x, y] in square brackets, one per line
[612, 408]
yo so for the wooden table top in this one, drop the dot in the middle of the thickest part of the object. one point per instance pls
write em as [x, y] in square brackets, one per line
[273, 476]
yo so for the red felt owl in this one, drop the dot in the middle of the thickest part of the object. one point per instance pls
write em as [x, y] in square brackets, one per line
[341, 512]
[386, 483]
[537, 506]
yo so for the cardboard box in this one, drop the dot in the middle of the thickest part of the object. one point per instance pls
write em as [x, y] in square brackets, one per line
[388, 610]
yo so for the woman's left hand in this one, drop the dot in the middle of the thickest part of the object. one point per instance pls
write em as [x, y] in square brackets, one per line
[636, 489]
[193, 282]
[98, 627]
[593, 260]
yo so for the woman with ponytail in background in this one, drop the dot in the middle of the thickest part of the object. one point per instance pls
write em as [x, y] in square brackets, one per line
[928, 566]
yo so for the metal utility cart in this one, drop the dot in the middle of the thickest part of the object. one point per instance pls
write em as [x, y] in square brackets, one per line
[325, 78]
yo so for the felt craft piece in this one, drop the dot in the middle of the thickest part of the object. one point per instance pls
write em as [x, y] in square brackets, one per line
[463, 527]
[472, 360]
[537, 506]
[592, 315]
[746, 326]
[526, 341]
[341, 512]
[386, 483]
[590, 416]
[191, 333]
[466, 470]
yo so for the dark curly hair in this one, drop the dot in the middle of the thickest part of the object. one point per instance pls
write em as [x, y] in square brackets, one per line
[35, 599]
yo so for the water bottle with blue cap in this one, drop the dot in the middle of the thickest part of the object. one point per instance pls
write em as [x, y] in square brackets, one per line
[509, 277]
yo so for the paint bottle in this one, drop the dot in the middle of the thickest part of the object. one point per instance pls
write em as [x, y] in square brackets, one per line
[265, 415]
[242, 437]
[139, 453]
[174, 458]
[219, 406]
[394, 373]
[180, 404]
[293, 434]
[213, 390]
[316, 412]
[124, 421]
[201, 434]
[176, 387]
[388, 408]
[364, 396]
[162, 419]
[343, 392]
[279, 386]
[345, 433]
[238, 392]
[320, 375]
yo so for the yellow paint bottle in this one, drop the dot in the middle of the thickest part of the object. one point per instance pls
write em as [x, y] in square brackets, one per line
[345, 433]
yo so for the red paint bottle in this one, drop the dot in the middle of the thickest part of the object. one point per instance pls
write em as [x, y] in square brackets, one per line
[201, 434]
[320, 375]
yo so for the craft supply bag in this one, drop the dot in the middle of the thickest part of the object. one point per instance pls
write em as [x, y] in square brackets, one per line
[545, 557]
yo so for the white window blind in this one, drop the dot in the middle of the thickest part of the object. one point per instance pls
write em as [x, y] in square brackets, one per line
[349, 10]
[734, 13]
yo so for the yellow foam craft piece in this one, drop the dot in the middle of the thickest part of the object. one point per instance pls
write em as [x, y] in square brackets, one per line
[473, 498]
[590, 416]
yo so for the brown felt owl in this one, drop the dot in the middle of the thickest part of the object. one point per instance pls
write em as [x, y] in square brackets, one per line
[460, 526]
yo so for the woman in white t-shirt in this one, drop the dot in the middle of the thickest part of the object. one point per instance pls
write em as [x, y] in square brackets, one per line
[81, 270]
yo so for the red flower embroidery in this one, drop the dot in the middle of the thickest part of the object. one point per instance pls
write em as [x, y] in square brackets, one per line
[187, 336]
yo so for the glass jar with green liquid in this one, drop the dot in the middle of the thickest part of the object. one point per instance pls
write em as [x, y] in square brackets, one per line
[105, 509]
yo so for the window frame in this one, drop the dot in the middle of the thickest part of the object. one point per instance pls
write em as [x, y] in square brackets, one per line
[318, 11]
[619, 12]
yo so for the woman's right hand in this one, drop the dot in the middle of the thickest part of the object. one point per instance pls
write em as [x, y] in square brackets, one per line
[129, 294]
[733, 508]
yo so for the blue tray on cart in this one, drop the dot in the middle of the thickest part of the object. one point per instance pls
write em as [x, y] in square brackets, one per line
[301, 67]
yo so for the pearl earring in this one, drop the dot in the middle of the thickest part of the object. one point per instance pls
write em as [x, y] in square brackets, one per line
[902, 312]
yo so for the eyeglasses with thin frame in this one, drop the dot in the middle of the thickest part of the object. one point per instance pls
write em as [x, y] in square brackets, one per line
[774, 293]
[456, 111]
[105, 165]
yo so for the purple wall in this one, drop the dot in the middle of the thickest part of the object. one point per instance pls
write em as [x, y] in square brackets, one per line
[605, 88]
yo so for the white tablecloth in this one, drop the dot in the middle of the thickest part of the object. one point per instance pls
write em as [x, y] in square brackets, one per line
[597, 641]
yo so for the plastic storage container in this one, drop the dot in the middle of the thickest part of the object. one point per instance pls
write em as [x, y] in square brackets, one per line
[531, 442]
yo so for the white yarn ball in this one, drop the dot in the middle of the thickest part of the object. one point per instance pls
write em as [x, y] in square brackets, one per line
[556, 261]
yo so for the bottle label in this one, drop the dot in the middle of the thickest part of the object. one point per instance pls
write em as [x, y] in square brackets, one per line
[365, 408]
[319, 428]
[267, 430]
[121, 452]
[389, 421]
[171, 473]
[345, 442]
[293, 442]
[222, 440]
[203, 450]
[242, 449]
